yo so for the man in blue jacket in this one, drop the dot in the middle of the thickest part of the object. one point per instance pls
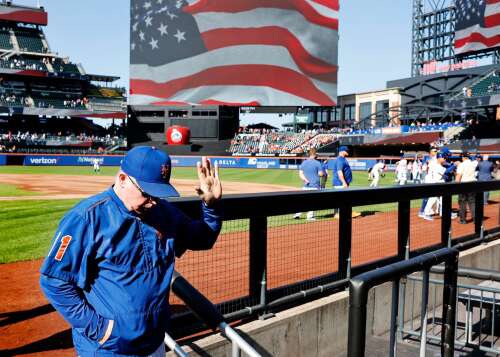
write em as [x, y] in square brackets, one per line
[310, 172]
[342, 176]
[109, 269]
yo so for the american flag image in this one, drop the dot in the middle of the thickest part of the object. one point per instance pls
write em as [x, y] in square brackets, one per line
[477, 25]
[234, 52]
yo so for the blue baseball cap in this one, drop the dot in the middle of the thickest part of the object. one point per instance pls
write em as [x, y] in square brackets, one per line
[151, 168]
[343, 148]
[445, 152]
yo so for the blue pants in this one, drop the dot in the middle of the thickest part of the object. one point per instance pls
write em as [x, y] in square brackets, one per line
[424, 203]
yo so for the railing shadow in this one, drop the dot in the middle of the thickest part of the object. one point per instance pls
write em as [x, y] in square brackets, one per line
[58, 341]
[8, 318]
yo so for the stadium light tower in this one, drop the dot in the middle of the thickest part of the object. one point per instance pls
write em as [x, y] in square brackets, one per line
[433, 32]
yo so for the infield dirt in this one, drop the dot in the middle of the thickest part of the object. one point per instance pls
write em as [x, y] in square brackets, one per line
[80, 186]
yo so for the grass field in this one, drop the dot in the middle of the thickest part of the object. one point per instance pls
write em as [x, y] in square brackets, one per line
[27, 226]
[268, 176]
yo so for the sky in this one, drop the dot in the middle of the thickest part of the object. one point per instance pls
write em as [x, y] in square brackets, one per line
[374, 44]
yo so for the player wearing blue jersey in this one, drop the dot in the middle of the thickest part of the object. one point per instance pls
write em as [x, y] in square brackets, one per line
[310, 172]
[342, 176]
[109, 269]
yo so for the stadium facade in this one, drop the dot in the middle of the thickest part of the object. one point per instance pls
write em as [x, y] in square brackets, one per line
[45, 97]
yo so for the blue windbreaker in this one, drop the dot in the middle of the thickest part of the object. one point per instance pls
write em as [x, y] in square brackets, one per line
[108, 272]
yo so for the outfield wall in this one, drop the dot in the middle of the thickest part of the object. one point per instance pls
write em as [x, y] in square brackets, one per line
[245, 162]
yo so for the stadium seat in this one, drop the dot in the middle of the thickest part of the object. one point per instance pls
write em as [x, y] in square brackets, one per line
[5, 41]
[30, 40]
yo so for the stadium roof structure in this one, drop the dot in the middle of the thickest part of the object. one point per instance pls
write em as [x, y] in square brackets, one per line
[23, 14]
[35, 80]
[102, 78]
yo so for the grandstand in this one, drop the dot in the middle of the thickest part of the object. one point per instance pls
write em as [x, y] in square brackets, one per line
[41, 91]
[273, 143]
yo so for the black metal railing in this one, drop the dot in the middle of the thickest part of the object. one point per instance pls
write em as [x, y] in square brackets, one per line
[360, 286]
[209, 315]
[257, 208]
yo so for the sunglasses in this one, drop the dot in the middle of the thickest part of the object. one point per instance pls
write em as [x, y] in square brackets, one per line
[144, 194]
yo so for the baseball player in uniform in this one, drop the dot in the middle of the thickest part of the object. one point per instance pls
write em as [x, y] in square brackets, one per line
[342, 176]
[109, 269]
[97, 167]
[377, 170]
[417, 170]
[466, 172]
[435, 174]
[425, 173]
[402, 171]
[310, 172]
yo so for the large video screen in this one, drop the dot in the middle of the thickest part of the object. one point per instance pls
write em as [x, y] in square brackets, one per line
[477, 26]
[234, 52]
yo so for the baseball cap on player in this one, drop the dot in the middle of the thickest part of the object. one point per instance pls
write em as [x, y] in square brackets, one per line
[445, 152]
[151, 169]
[343, 148]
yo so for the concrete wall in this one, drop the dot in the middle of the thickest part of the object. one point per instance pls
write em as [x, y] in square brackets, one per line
[319, 328]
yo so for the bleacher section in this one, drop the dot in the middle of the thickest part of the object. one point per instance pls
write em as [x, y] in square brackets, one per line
[317, 142]
[5, 40]
[23, 64]
[416, 138]
[289, 143]
[283, 143]
[29, 40]
[61, 66]
[487, 86]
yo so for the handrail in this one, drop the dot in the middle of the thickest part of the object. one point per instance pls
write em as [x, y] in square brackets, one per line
[279, 203]
[474, 273]
[208, 313]
[361, 285]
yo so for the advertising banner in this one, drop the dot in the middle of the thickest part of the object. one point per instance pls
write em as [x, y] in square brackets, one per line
[76, 160]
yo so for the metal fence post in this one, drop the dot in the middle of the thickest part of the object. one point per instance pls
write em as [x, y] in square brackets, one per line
[345, 239]
[258, 259]
[356, 336]
[479, 214]
[403, 253]
[394, 318]
[423, 312]
[449, 307]
[403, 229]
[446, 221]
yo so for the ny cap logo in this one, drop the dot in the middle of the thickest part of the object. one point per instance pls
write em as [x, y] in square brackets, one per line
[165, 172]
